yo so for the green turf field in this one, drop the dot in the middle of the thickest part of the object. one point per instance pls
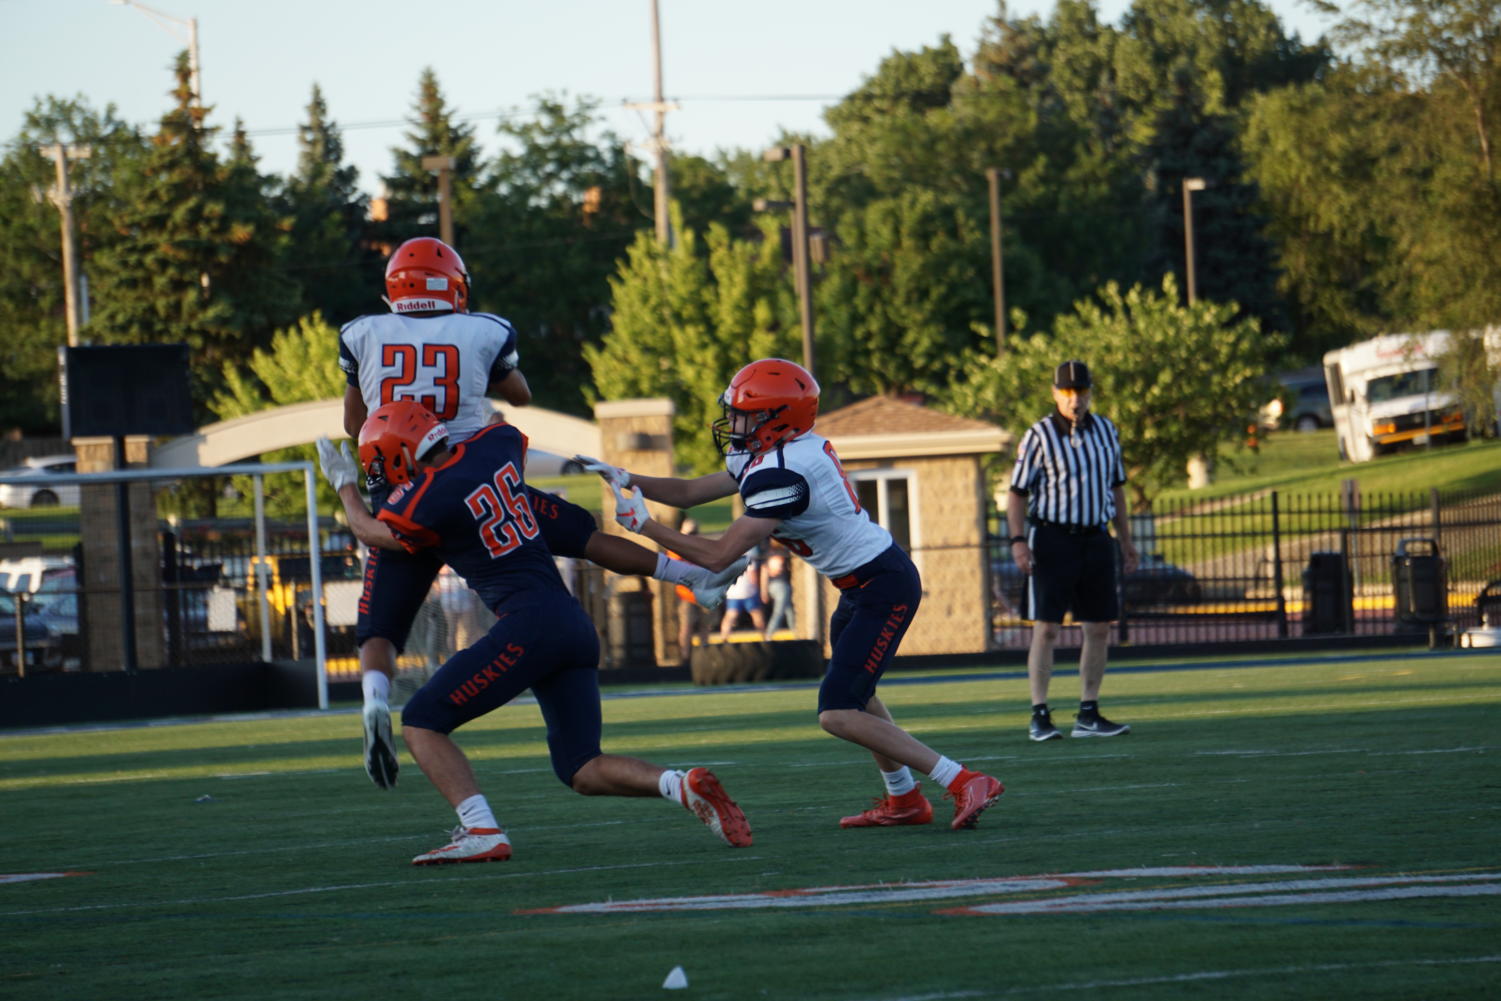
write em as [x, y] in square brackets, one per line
[250, 858]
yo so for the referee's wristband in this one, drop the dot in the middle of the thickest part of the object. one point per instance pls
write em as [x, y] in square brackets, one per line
[1018, 538]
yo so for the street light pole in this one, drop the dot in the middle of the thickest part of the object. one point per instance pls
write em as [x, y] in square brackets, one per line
[993, 180]
[1190, 185]
[1200, 471]
[191, 25]
[444, 166]
[62, 197]
[800, 252]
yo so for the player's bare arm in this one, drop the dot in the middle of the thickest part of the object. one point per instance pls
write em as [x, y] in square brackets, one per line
[714, 552]
[355, 411]
[513, 388]
[685, 493]
[365, 526]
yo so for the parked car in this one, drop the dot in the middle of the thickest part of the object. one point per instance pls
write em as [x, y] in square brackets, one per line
[33, 490]
[1154, 582]
[43, 646]
[1301, 403]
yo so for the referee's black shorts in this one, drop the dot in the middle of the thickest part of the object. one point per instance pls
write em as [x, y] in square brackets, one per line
[1071, 573]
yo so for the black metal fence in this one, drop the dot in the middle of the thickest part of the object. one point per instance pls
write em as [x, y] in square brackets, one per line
[1263, 567]
[1275, 566]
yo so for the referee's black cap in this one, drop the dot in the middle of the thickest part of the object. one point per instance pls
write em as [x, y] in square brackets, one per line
[1072, 375]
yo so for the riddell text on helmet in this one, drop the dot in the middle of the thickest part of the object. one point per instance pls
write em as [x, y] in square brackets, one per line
[420, 305]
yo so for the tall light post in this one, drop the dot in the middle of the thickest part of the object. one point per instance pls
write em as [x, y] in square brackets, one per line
[1199, 469]
[167, 21]
[1190, 185]
[993, 182]
[800, 254]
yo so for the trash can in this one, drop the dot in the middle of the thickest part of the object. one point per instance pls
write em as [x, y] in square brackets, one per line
[1327, 594]
[631, 638]
[1422, 599]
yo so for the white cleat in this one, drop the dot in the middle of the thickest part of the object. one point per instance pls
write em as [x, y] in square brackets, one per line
[708, 588]
[380, 749]
[469, 844]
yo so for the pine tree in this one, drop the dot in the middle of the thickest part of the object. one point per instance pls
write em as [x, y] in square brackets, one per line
[332, 256]
[195, 262]
[411, 190]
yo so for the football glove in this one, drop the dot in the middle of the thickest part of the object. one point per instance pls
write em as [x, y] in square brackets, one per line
[630, 509]
[339, 467]
[614, 475]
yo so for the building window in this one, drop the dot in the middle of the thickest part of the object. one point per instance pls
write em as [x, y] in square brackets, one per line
[886, 496]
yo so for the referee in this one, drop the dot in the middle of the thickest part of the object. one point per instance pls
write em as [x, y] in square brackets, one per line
[1066, 489]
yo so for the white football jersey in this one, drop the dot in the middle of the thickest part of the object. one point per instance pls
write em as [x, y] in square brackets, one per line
[446, 363]
[801, 483]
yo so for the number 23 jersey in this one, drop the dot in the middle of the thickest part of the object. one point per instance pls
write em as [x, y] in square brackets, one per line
[472, 513]
[446, 363]
[801, 483]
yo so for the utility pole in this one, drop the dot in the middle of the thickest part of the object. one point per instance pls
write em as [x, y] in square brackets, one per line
[444, 166]
[801, 258]
[661, 183]
[993, 180]
[62, 196]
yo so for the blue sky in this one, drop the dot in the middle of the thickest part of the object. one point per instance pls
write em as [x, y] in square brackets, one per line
[739, 71]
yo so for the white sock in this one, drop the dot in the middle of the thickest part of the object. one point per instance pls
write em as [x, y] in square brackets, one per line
[671, 785]
[899, 781]
[475, 812]
[946, 771]
[376, 686]
[671, 570]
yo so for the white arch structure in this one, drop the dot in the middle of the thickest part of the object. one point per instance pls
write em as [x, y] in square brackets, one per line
[300, 423]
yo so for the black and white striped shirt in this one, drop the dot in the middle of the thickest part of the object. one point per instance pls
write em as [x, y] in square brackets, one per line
[1069, 474]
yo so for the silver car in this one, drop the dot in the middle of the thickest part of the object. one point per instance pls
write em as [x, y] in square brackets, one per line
[33, 490]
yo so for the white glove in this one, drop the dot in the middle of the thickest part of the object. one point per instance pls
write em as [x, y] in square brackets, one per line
[614, 475]
[339, 467]
[630, 509]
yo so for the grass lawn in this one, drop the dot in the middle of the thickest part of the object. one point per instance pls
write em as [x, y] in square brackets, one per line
[1307, 463]
[1313, 827]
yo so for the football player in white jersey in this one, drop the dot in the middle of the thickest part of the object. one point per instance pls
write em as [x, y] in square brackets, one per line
[430, 349]
[795, 491]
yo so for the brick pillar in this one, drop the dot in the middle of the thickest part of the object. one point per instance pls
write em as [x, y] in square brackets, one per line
[637, 435]
[101, 560]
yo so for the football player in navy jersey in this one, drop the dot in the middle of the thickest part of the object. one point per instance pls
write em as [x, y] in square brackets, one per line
[795, 491]
[465, 504]
[429, 348]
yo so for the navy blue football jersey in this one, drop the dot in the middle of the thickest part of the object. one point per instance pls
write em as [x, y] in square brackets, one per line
[472, 512]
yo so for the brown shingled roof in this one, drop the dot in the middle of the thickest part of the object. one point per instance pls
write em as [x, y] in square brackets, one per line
[889, 415]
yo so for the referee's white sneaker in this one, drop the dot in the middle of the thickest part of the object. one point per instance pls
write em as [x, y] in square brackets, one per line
[1098, 726]
[380, 749]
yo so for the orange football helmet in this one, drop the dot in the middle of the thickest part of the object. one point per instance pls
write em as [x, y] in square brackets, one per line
[395, 436]
[778, 401]
[426, 275]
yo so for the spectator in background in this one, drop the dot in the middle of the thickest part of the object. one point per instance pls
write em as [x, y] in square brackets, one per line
[776, 589]
[744, 596]
[468, 619]
[693, 618]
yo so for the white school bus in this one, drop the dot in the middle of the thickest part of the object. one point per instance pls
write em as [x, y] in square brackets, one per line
[1384, 393]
